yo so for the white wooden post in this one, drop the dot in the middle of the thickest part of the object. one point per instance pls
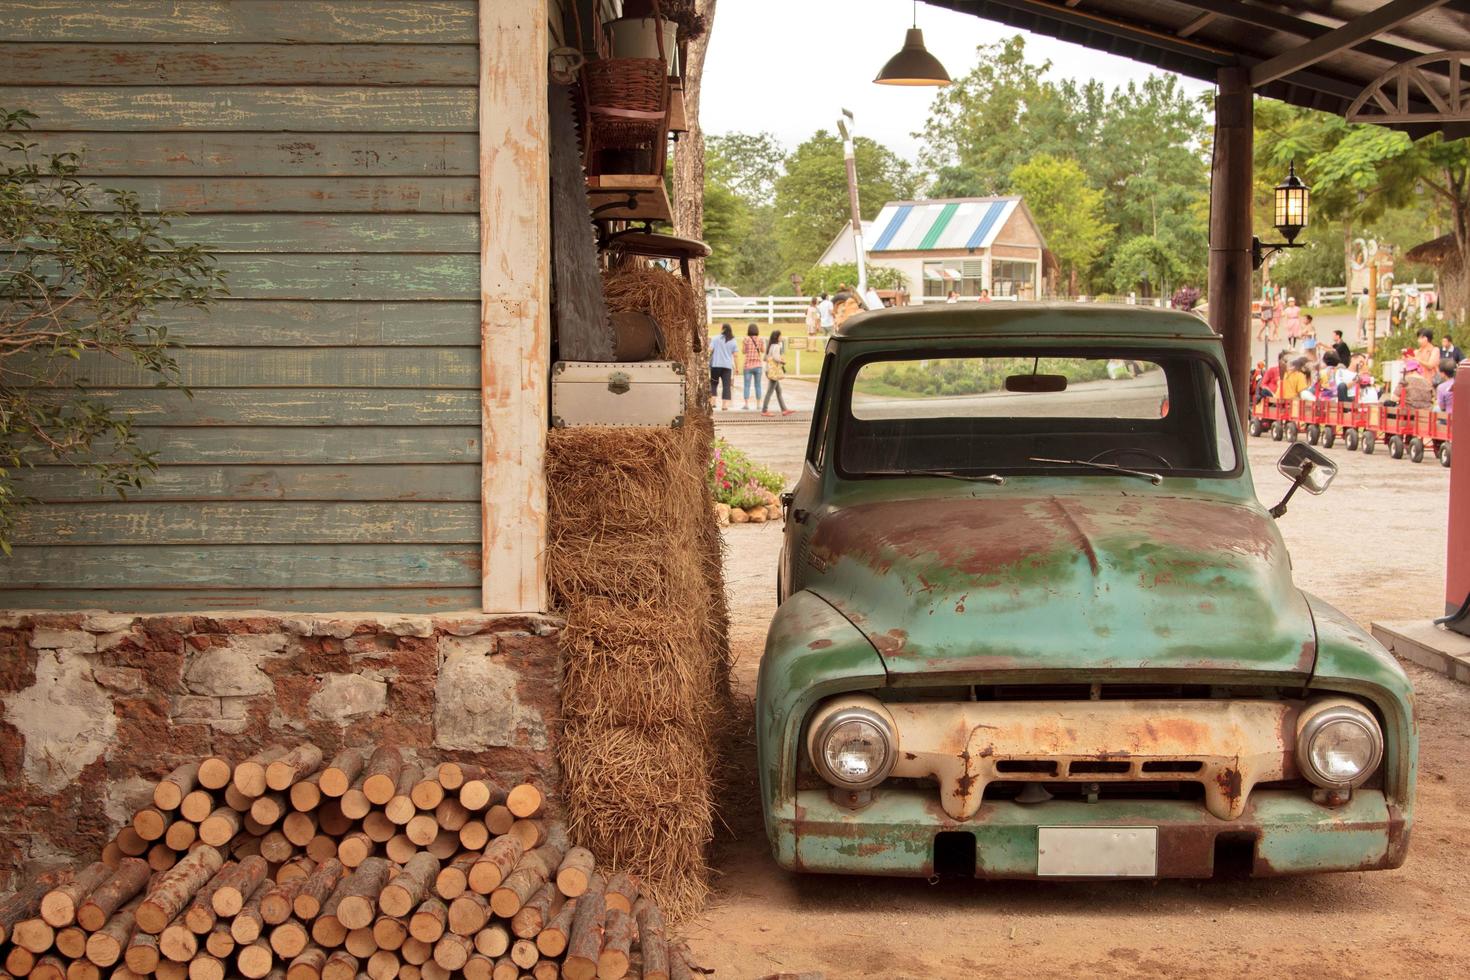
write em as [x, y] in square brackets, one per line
[770, 310]
[515, 303]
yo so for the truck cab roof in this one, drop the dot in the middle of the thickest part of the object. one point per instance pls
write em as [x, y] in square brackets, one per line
[969, 321]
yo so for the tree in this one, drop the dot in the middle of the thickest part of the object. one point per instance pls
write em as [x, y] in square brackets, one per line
[999, 115]
[689, 155]
[741, 170]
[1359, 173]
[1068, 211]
[76, 284]
[1145, 261]
[811, 196]
[826, 278]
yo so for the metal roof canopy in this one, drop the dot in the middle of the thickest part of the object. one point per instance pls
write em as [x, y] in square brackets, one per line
[1321, 54]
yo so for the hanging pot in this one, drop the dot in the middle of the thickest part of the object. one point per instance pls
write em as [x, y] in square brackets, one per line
[637, 37]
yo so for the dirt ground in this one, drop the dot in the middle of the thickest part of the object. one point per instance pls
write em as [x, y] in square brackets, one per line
[1374, 546]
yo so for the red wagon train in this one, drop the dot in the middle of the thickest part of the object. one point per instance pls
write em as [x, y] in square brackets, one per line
[1405, 431]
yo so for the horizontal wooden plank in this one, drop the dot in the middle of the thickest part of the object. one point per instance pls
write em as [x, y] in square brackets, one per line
[242, 64]
[245, 108]
[369, 444]
[426, 482]
[423, 601]
[413, 195]
[294, 406]
[244, 566]
[290, 323]
[351, 21]
[364, 276]
[266, 154]
[118, 523]
[222, 367]
[341, 233]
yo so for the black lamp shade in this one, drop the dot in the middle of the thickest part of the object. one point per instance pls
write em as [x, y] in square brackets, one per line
[913, 65]
[1292, 197]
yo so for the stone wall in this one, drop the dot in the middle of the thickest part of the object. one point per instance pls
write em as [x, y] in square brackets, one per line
[95, 707]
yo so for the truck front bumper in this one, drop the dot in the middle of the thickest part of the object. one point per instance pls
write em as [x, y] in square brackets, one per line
[894, 834]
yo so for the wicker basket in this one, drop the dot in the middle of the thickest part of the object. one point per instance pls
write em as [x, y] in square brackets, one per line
[628, 88]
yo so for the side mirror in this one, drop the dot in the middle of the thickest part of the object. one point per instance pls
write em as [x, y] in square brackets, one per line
[1306, 468]
[1301, 462]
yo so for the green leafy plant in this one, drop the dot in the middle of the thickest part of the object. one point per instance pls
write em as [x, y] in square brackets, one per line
[737, 480]
[826, 278]
[83, 269]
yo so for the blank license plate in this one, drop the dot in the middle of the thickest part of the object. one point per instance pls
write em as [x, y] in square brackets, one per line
[1097, 852]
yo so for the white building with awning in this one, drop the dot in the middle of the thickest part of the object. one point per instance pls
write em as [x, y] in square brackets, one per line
[965, 245]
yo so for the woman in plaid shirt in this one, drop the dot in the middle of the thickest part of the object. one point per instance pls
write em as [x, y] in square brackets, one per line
[754, 353]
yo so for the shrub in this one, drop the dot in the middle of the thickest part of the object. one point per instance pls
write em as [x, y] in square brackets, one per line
[79, 286]
[735, 479]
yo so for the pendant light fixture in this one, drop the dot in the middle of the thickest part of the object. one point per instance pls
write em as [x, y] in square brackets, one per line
[913, 65]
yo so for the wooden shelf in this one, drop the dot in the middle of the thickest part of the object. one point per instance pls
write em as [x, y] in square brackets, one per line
[610, 193]
[656, 246]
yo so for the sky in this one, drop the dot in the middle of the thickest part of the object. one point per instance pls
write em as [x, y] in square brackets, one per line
[790, 66]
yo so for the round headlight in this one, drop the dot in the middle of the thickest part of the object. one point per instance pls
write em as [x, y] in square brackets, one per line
[852, 745]
[1339, 744]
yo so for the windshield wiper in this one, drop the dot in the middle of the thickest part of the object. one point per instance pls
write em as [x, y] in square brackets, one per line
[995, 478]
[1153, 478]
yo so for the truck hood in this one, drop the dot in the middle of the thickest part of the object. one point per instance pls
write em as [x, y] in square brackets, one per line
[1065, 587]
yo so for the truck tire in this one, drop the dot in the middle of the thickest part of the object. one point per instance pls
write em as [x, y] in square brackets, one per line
[1444, 455]
[1416, 450]
[1276, 431]
[1350, 436]
[1292, 432]
[1396, 447]
[1369, 441]
[1314, 434]
[1329, 436]
[1255, 426]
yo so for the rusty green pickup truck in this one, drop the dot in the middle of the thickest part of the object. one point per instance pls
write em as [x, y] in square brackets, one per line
[1035, 622]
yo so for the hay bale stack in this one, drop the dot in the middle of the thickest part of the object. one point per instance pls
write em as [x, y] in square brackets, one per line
[635, 566]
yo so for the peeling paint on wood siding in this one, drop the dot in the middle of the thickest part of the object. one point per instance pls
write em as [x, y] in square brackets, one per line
[250, 108]
[241, 64]
[327, 151]
[267, 154]
[277, 21]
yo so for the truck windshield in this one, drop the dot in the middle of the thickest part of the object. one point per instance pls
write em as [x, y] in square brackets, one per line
[1032, 412]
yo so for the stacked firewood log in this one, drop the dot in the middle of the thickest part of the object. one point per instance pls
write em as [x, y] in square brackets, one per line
[289, 866]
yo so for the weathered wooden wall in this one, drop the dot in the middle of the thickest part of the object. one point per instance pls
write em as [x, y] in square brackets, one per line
[327, 150]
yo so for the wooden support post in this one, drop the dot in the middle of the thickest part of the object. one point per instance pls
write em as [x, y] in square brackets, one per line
[1230, 228]
[515, 302]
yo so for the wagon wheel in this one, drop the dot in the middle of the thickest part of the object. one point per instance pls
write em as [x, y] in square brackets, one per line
[1255, 426]
[1314, 434]
[1329, 436]
[1444, 455]
[1396, 447]
[1292, 432]
[1276, 430]
[1368, 440]
[1350, 436]
[1416, 450]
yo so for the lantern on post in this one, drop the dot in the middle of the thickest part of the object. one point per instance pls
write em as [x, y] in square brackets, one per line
[1291, 200]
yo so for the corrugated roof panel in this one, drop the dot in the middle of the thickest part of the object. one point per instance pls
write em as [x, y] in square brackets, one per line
[894, 224]
[964, 222]
[914, 232]
[981, 236]
[937, 226]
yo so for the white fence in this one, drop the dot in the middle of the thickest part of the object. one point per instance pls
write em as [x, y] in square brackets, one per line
[1337, 295]
[767, 309]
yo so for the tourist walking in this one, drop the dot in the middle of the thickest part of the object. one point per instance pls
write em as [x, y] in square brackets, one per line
[722, 366]
[813, 318]
[824, 314]
[775, 371]
[754, 353]
[1291, 319]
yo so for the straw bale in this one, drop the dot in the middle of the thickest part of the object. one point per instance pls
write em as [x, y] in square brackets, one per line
[636, 568]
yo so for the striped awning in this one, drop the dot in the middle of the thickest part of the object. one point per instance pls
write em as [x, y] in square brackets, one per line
[933, 226]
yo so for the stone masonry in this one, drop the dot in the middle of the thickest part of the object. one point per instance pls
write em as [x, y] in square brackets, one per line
[96, 707]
